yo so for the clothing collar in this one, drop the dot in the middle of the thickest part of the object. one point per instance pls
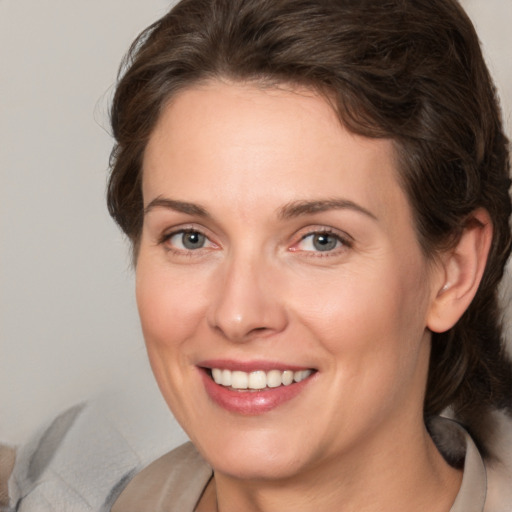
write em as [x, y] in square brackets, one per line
[454, 442]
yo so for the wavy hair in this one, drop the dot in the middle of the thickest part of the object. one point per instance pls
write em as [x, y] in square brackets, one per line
[408, 70]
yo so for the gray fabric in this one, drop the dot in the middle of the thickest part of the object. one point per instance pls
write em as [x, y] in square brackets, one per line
[85, 457]
[117, 490]
[50, 441]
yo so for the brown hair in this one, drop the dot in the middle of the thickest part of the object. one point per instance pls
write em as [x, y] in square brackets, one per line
[409, 70]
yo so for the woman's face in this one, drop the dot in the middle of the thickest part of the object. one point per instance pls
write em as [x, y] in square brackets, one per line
[278, 245]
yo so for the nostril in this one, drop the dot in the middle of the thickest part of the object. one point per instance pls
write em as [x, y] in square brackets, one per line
[258, 332]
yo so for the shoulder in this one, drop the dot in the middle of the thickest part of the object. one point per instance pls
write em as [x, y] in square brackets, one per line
[499, 466]
[178, 478]
[487, 482]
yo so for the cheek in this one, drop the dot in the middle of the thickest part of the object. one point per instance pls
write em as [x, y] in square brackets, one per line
[170, 312]
[376, 311]
[169, 304]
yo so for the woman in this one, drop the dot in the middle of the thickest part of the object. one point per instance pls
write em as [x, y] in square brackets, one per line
[317, 197]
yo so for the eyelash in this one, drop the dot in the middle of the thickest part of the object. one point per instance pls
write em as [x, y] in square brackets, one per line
[166, 238]
[344, 241]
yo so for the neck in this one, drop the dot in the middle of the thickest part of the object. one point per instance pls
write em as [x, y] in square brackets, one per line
[402, 477]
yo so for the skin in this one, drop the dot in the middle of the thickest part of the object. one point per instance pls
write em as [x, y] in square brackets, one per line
[259, 289]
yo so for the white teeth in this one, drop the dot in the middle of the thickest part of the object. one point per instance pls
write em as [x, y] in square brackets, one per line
[226, 378]
[274, 378]
[217, 375]
[258, 379]
[287, 378]
[301, 375]
[239, 380]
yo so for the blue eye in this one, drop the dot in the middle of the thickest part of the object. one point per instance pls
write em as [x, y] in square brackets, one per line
[321, 242]
[188, 240]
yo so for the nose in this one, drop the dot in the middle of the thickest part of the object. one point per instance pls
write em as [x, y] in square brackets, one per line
[247, 302]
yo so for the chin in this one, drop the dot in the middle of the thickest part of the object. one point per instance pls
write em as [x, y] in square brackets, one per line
[254, 457]
[260, 468]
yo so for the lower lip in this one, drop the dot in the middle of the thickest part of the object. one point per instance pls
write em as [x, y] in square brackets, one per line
[248, 402]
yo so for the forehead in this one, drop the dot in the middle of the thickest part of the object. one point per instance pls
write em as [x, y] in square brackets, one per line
[234, 141]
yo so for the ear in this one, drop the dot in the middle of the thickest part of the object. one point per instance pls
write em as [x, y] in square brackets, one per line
[460, 272]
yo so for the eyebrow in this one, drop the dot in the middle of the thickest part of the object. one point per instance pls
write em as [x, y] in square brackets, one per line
[290, 210]
[299, 208]
[178, 206]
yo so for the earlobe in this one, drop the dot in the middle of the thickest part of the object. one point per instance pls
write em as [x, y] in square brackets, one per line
[461, 270]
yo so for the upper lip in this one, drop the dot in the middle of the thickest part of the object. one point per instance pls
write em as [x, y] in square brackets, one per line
[250, 366]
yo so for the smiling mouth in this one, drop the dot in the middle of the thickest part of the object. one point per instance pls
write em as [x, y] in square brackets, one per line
[257, 380]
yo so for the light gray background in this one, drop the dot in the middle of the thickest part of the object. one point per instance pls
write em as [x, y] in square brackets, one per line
[68, 322]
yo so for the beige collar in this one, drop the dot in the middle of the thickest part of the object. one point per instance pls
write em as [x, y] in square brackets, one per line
[473, 490]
